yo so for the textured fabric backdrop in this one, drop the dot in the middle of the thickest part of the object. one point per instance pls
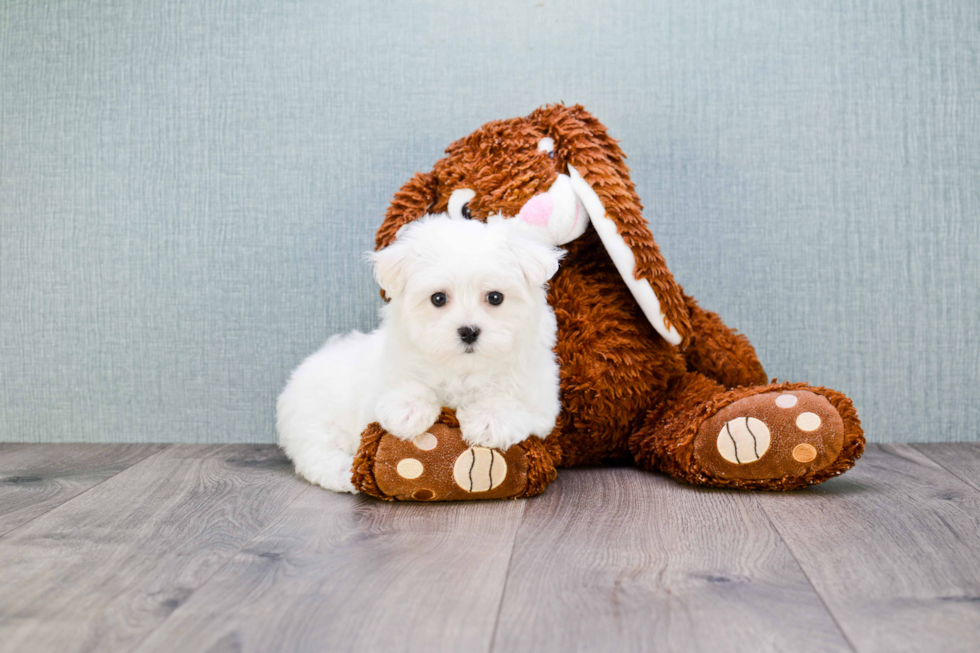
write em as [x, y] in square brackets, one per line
[186, 188]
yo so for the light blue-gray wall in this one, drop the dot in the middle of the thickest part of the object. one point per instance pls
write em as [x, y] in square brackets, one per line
[186, 188]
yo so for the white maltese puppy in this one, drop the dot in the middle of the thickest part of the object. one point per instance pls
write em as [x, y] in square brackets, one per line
[468, 326]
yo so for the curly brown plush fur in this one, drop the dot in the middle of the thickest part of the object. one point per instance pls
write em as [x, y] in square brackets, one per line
[626, 392]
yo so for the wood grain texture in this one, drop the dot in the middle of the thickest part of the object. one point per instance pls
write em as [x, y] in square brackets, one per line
[622, 560]
[100, 572]
[892, 548]
[37, 478]
[961, 459]
[222, 548]
[342, 573]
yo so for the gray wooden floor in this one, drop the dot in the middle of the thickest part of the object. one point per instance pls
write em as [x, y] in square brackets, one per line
[220, 548]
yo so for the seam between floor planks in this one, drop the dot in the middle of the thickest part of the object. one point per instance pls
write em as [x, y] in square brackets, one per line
[618, 559]
[883, 596]
[809, 580]
[217, 571]
[151, 450]
[222, 566]
[358, 573]
[204, 494]
[931, 451]
[510, 563]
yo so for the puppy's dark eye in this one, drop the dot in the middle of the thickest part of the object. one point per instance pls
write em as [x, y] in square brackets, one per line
[439, 299]
[466, 211]
[495, 298]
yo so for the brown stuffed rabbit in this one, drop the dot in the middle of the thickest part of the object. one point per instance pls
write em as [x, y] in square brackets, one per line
[646, 374]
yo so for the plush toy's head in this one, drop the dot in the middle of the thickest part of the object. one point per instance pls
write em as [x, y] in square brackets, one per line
[559, 172]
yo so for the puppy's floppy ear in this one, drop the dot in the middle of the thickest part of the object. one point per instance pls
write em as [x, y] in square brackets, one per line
[537, 259]
[391, 266]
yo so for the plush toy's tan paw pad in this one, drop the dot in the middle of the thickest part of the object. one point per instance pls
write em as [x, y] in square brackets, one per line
[479, 469]
[438, 466]
[743, 440]
[770, 435]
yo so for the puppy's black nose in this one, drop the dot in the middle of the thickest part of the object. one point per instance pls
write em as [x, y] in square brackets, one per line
[468, 334]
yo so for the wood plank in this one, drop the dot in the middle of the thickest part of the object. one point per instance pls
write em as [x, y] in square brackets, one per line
[623, 560]
[892, 548]
[35, 478]
[101, 571]
[962, 459]
[351, 573]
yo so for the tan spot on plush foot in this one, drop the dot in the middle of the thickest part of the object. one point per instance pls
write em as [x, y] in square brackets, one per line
[425, 442]
[409, 468]
[808, 422]
[423, 494]
[743, 440]
[786, 401]
[479, 469]
[804, 453]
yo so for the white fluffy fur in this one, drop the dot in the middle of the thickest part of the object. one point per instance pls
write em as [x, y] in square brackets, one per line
[504, 387]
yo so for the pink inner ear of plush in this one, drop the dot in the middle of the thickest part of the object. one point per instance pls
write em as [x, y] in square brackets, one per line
[538, 210]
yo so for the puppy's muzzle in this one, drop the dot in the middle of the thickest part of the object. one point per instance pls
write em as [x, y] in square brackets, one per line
[468, 334]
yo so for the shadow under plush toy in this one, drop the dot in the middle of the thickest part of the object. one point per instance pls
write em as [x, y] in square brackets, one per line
[646, 373]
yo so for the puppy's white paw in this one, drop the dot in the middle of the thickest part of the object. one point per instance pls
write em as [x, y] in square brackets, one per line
[494, 428]
[405, 416]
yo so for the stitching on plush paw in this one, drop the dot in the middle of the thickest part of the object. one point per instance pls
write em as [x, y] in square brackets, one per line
[479, 469]
[743, 440]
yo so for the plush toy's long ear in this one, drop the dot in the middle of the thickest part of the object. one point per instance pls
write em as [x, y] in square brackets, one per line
[410, 203]
[601, 179]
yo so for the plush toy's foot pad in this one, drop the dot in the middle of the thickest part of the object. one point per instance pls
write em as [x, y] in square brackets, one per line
[773, 435]
[439, 466]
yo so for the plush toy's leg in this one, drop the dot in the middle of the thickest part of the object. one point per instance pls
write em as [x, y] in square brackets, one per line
[781, 436]
[720, 353]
